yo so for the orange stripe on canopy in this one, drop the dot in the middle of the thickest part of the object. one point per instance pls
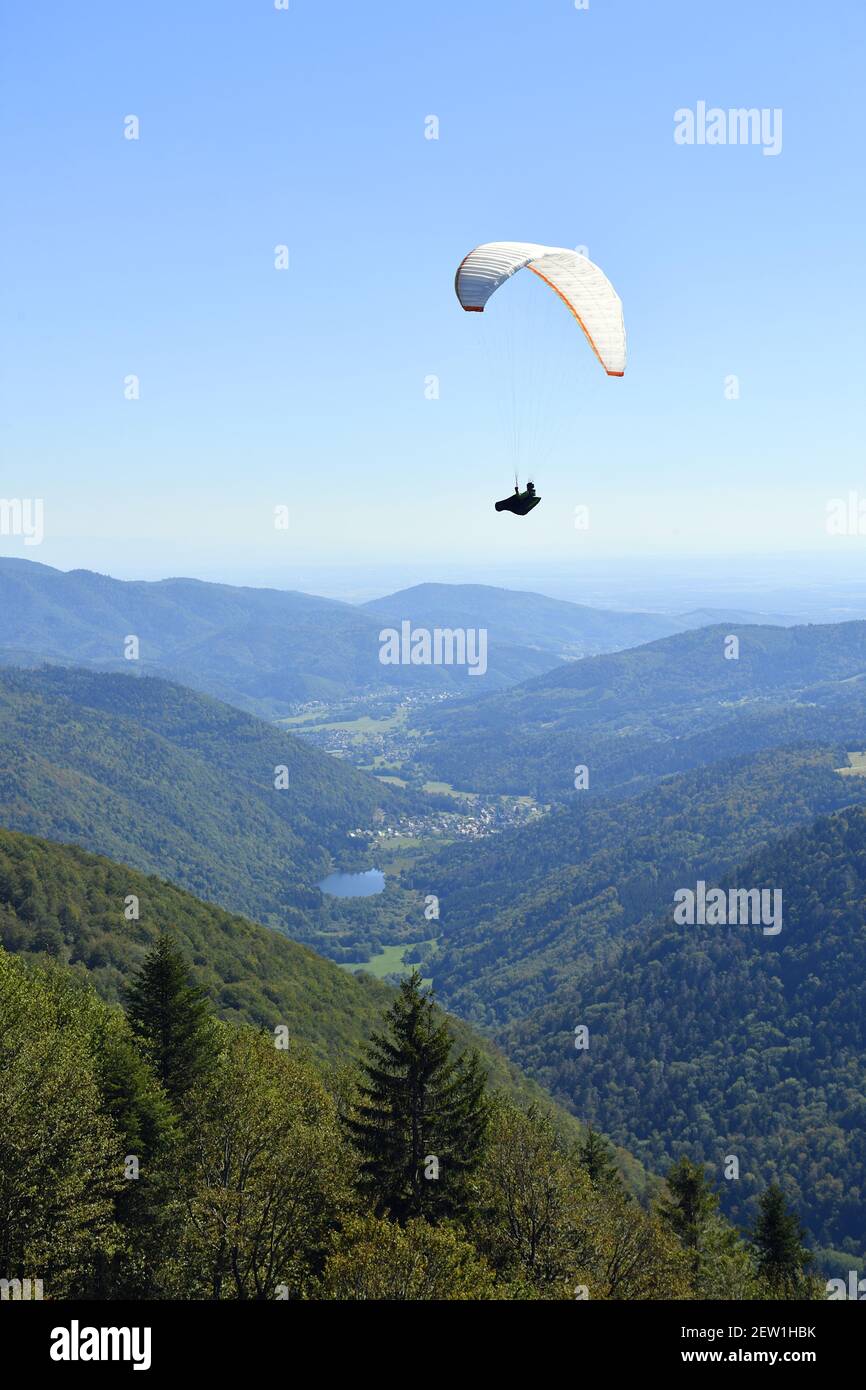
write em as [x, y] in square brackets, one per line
[569, 304]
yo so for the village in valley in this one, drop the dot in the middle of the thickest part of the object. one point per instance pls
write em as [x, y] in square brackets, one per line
[377, 735]
[483, 815]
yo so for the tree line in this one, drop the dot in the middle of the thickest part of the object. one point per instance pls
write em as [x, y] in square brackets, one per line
[156, 1152]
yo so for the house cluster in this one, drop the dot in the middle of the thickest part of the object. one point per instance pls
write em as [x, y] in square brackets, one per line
[477, 820]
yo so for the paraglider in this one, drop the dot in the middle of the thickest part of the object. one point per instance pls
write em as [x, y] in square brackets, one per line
[580, 284]
[519, 502]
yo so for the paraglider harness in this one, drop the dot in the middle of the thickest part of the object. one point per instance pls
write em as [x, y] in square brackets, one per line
[520, 502]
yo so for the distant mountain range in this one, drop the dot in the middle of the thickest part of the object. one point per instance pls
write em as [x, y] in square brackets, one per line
[266, 650]
[261, 649]
[530, 628]
[709, 617]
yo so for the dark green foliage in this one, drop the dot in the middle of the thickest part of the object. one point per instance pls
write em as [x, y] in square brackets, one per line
[138, 1106]
[249, 1190]
[690, 1204]
[142, 1114]
[421, 1116]
[169, 1017]
[595, 1156]
[723, 1040]
[525, 910]
[176, 783]
[782, 1258]
[62, 901]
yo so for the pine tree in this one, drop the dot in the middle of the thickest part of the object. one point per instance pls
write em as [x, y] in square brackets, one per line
[422, 1114]
[147, 1125]
[778, 1242]
[594, 1156]
[690, 1207]
[169, 1016]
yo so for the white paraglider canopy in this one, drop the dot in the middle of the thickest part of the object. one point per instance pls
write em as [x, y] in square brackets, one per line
[580, 284]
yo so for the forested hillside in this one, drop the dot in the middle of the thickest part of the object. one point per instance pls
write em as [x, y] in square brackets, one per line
[522, 911]
[636, 715]
[158, 1153]
[71, 906]
[265, 650]
[178, 784]
[60, 903]
[260, 649]
[720, 1040]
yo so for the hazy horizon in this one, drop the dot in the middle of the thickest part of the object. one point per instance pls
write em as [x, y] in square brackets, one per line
[802, 586]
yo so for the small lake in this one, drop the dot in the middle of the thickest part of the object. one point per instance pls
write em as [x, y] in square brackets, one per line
[354, 885]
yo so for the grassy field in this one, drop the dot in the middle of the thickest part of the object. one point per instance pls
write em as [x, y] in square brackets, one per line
[397, 852]
[857, 768]
[364, 724]
[389, 961]
[309, 718]
[446, 789]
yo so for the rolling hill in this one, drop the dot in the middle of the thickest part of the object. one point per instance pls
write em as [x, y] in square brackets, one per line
[63, 902]
[261, 649]
[266, 650]
[525, 630]
[176, 783]
[60, 902]
[523, 911]
[636, 715]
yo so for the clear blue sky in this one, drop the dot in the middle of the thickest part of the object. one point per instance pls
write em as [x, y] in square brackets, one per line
[306, 127]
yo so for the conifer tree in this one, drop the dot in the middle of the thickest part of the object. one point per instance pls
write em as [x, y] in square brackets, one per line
[691, 1205]
[422, 1114]
[169, 1016]
[147, 1125]
[594, 1156]
[778, 1241]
